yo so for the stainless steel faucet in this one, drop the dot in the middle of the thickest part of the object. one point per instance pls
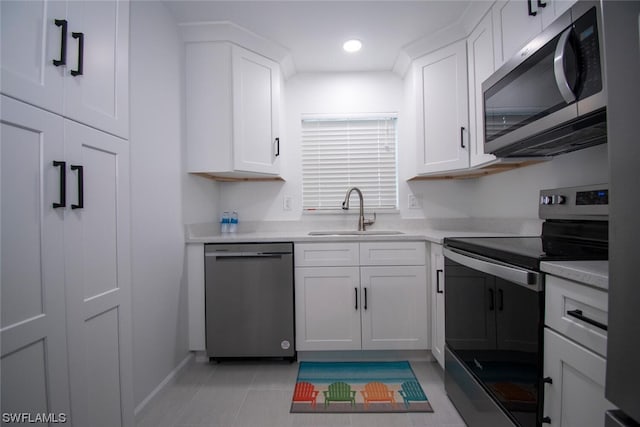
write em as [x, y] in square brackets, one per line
[362, 223]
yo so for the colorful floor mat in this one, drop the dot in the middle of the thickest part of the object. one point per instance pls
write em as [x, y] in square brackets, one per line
[336, 387]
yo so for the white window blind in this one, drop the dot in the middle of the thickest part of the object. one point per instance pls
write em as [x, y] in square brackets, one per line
[341, 153]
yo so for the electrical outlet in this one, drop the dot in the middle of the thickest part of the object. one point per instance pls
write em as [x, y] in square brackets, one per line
[414, 202]
[287, 203]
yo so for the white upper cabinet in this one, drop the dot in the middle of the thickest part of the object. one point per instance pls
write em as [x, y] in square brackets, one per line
[97, 77]
[442, 110]
[71, 59]
[28, 70]
[481, 66]
[233, 98]
[516, 22]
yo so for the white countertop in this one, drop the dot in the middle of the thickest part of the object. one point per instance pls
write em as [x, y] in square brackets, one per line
[202, 234]
[594, 273]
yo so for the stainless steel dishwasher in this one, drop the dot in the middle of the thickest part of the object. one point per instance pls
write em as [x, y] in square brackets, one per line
[249, 300]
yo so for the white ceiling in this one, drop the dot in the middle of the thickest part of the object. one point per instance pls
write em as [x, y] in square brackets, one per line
[313, 31]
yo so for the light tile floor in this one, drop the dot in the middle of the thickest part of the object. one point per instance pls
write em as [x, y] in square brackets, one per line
[258, 394]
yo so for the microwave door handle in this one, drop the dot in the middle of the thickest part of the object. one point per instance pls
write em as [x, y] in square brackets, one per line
[558, 67]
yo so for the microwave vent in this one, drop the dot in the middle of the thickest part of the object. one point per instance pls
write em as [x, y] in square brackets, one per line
[583, 132]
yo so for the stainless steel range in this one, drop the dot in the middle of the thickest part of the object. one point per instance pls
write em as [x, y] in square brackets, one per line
[494, 307]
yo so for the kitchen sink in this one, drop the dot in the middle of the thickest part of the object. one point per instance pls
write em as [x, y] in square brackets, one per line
[355, 233]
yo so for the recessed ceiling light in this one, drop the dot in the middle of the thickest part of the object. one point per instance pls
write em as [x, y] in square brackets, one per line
[352, 45]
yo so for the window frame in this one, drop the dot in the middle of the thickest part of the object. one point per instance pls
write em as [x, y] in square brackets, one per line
[347, 117]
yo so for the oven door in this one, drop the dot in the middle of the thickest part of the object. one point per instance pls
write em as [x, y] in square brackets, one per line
[493, 332]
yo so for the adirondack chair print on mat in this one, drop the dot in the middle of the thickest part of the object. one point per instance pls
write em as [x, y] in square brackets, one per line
[305, 392]
[411, 391]
[339, 392]
[377, 392]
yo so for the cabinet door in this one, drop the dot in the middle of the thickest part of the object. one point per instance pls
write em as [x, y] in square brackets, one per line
[100, 96]
[34, 345]
[437, 303]
[30, 42]
[442, 132]
[98, 278]
[513, 27]
[328, 304]
[481, 66]
[394, 308]
[576, 395]
[256, 93]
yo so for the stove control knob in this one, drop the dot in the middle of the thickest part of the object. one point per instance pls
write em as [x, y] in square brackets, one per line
[546, 200]
[557, 199]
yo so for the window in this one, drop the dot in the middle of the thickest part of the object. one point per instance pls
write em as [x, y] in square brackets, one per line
[340, 153]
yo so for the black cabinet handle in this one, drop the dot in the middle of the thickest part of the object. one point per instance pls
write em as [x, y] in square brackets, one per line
[491, 298]
[578, 315]
[62, 184]
[365, 298]
[80, 37]
[277, 142]
[462, 137]
[500, 299]
[531, 11]
[547, 380]
[80, 169]
[541, 3]
[546, 420]
[356, 289]
[438, 272]
[63, 42]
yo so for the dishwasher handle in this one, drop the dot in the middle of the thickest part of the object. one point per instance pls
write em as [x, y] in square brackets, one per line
[246, 254]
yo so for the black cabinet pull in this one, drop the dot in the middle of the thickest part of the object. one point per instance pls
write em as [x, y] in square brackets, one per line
[438, 272]
[500, 299]
[578, 315]
[541, 3]
[63, 42]
[491, 302]
[356, 289]
[365, 298]
[80, 37]
[277, 142]
[462, 137]
[547, 380]
[62, 184]
[80, 169]
[531, 11]
[546, 420]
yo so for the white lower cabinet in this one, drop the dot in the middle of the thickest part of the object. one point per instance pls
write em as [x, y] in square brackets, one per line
[575, 396]
[368, 307]
[574, 354]
[437, 303]
[328, 308]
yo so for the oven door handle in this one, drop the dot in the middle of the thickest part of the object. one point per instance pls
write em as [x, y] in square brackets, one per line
[530, 279]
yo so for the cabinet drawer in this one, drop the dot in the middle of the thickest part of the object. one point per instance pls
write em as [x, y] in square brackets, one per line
[392, 253]
[570, 309]
[326, 254]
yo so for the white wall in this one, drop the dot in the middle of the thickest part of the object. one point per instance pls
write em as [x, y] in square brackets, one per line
[162, 197]
[514, 194]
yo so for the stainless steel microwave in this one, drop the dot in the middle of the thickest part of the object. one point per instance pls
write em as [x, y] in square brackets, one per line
[551, 97]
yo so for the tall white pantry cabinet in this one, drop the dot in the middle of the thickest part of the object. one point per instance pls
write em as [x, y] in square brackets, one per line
[65, 255]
